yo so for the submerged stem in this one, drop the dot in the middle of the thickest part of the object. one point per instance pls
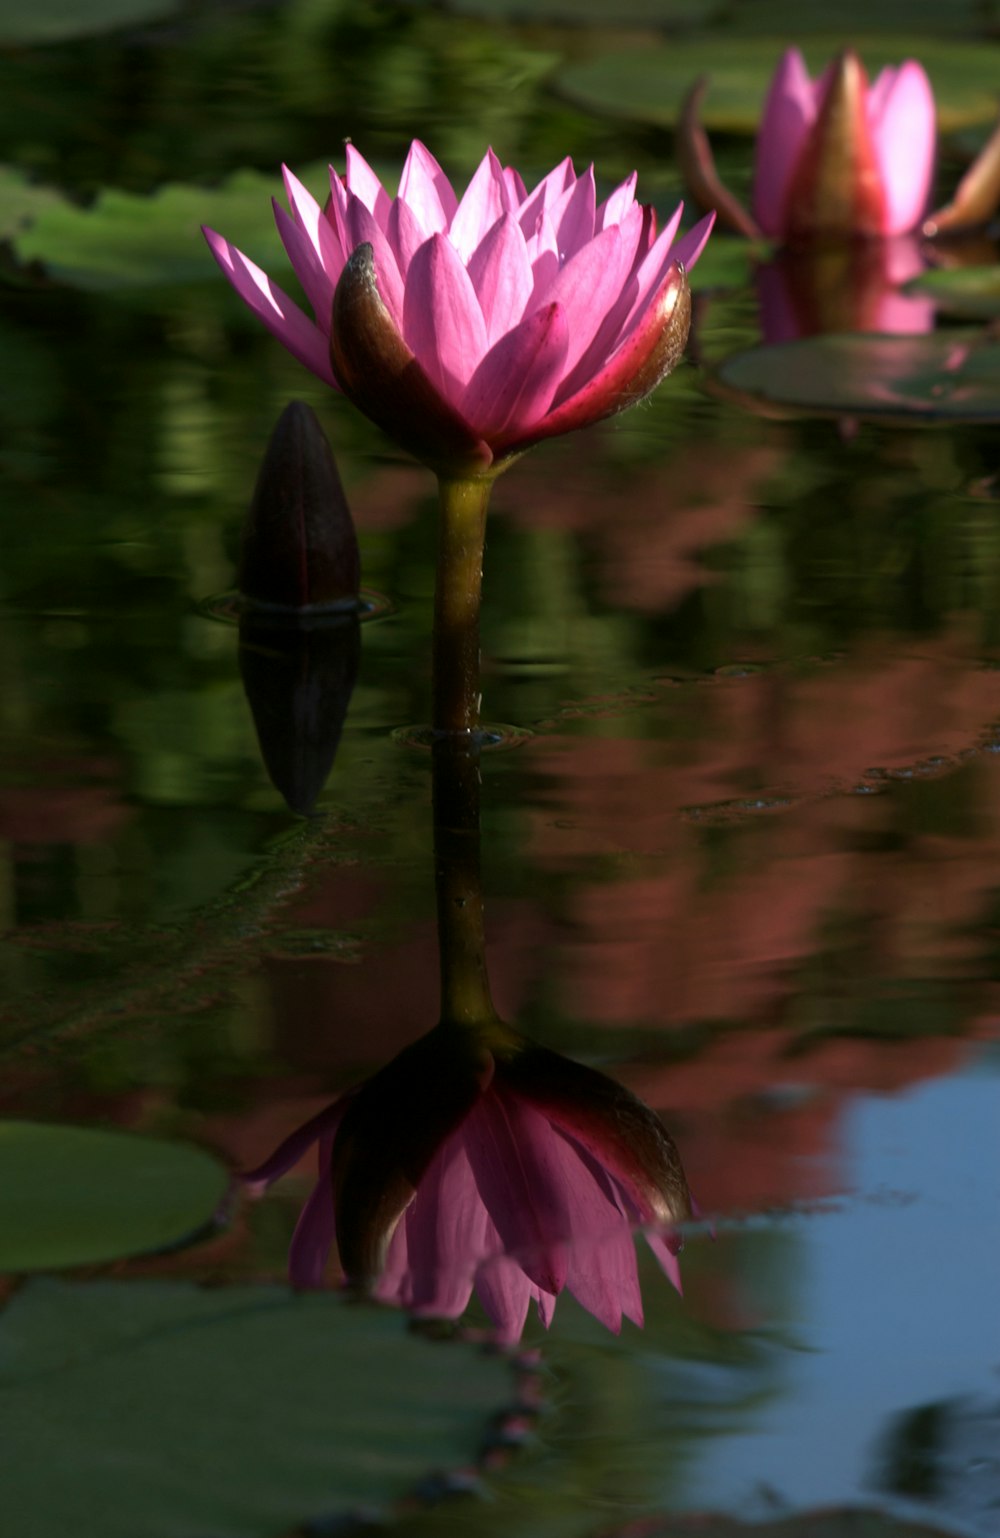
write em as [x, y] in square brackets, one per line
[456, 603]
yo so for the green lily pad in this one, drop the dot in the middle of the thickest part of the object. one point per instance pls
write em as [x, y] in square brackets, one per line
[125, 240]
[942, 377]
[55, 21]
[971, 292]
[73, 1196]
[162, 1410]
[649, 84]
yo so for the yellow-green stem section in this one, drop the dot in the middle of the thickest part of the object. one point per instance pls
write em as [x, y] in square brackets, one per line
[462, 531]
[465, 986]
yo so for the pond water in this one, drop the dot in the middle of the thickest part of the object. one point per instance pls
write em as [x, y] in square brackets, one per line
[740, 854]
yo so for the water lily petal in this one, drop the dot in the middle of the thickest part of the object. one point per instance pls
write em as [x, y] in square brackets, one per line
[307, 266]
[428, 192]
[543, 254]
[321, 231]
[313, 1236]
[505, 1293]
[364, 184]
[280, 315]
[616, 206]
[789, 111]
[406, 234]
[483, 201]
[549, 189]
[516, 190]
[442, 323]
[501, 275]
[448, 1234]
[904, 132]
[665, 1248]
[573, 215]
[296, 1146]
[514, 385]
[587, 286]
[362, 228]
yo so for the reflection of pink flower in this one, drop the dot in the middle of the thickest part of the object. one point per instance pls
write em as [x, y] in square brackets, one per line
[471, 327]
[506, 1168]
[839, 156]
[840, 287]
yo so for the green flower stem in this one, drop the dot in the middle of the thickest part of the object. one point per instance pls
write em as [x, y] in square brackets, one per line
[457, 594]
[465, 986]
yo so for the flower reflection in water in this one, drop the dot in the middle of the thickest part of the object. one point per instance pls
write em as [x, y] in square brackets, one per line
[487, 1162]
[477, 1158]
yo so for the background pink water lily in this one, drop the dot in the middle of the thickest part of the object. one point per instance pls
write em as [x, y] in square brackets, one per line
[524, 313]
[892, 144]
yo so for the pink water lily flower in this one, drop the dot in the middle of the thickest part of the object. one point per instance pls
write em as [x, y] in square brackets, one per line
[470, 327]
[837, 154]
[522, 1177]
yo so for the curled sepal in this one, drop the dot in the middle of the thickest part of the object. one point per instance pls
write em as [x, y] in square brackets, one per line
[623, 1134]
[299, 547]
[977, 196]
[699, 172]
[654, 348]
[837, 186]
[389, 1135]
[379, 373]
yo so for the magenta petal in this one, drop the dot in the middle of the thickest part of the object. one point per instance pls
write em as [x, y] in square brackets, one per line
[586, 287]
[904, 132]
[280, 315]
[405, 234]
[313, 1236]
[393, 1285]
[449, 1233]
[549, 189]
[429, 193]
[573, 215]
[604, 1277]
[307, 267]
[513, 387]
[615, 207]
[789, 112]
[543, 254]
[665, 1247]
[364, 184]
[321, 232]
[442, 323]
[516, 190]
[501, 276]
[505, 1293]
[651, 350]
[483, 201]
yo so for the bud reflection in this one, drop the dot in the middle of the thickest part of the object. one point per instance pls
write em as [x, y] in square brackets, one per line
[476, 1159]
[298, 681]
[845, 286]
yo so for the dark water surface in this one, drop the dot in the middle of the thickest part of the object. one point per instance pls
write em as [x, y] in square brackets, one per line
[745, 860]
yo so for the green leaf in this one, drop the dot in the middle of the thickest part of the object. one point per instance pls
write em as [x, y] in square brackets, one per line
[971, 292]
[53, 21]
[162, 1410]
[73, 1196]
[943, 377]
[124, 240]
[648, 84]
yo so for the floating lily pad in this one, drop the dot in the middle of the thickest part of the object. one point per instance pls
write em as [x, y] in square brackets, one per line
[55, 21]
[124, 239]
[161, 1409]
[943, 377]
[73, 1196]
[845, 1522]
[971, 292]
[648, 84]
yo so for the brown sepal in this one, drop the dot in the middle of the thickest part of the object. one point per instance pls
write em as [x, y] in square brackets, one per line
[699, 173]
[978, 194]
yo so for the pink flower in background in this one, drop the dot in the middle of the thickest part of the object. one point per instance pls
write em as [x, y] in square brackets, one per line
[516, 1172]
[470, 327]
[835, 155]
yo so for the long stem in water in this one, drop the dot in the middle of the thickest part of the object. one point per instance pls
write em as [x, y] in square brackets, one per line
[465, 985]
[457, 593]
